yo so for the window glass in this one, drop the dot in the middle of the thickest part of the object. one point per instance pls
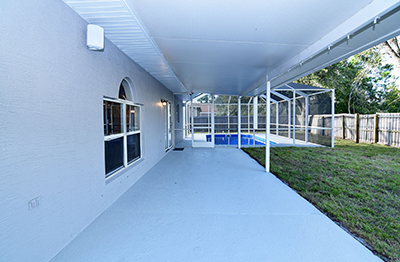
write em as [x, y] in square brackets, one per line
[112, 118]
[133, 147]
[124, 91]
[132, 118]
[114, 151]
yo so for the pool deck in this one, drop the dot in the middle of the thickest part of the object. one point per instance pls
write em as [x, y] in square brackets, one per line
[280, 141]
[212, 205]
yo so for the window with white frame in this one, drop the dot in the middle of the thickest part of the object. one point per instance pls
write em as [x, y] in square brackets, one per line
[122, 135]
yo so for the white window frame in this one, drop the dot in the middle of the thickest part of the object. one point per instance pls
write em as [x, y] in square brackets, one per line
[124, 134]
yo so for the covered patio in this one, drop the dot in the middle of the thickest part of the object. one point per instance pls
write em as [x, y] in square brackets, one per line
[92, 106]
[219, 205]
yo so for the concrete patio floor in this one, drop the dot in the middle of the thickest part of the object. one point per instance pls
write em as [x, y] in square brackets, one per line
[212, 205]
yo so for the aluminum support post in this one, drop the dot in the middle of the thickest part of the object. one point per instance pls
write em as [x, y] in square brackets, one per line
[192, 118]
[268, 127]
[212, 121]
[307, 112]
[294, 117]
[239, 123]
[277, 118]
[333, 119]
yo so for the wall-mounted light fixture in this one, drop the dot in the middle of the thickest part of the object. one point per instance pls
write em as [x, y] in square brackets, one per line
[164, 102]
[95, 37]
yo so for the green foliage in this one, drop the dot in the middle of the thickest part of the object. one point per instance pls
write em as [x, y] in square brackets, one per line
[392, 102]
[362, 83]
[204, 99]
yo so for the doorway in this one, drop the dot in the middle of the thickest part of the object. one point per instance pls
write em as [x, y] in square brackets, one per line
[168, 126]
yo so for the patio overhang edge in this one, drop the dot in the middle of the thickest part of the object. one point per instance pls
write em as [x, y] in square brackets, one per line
[333, 48]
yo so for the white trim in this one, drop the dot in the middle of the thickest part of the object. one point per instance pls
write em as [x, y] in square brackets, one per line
[212, 121]
[267, 127]
[239, 122]
[333, 119]
[112, 137]
[307, 113]
[124, 134]
[294, 117]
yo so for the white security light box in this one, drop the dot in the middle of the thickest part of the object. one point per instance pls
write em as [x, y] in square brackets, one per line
[95, 37]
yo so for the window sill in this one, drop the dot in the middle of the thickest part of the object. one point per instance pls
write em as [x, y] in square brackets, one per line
[122, 171]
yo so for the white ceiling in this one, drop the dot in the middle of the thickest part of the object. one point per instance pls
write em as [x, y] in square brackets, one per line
[231, 46]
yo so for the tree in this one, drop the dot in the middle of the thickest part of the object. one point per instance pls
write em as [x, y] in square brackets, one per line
[392, 101]
[392, 47]
[360, 82]
[204, 99]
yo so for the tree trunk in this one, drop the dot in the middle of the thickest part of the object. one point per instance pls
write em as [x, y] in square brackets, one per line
[392, 47]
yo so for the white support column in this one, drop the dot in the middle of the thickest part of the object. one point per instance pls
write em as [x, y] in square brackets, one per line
[307, 112]
[187, 123]
[248, 115]
[333, 118]
[239, 123]
[294, 117]
[187, 113]
[289, 119]
[268, 127]
[173, 119]
[255, 112]
[208, 119]
[229, 121]
[255, 118]
[277, 118]
[212, 121]
[192, 118]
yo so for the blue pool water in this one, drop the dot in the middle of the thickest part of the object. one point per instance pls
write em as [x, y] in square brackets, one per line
[225, 139]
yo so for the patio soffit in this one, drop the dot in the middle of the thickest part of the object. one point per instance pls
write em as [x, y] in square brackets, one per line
[230, 47]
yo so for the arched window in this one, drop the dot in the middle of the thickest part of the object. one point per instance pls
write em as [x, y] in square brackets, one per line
[122, 132]
[125, 91]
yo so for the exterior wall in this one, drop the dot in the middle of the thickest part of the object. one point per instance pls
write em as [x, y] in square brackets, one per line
[51, 118]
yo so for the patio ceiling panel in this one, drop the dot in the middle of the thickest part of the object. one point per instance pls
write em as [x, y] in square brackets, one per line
[229, 47]
[255, 36]
[123, 29]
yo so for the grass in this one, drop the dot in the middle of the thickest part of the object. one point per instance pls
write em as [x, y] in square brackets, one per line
[357, 185]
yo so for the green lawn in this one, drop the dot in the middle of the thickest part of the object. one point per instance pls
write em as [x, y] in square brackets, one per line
[357, 185]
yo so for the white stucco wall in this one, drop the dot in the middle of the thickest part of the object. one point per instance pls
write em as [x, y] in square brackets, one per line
[51, 119]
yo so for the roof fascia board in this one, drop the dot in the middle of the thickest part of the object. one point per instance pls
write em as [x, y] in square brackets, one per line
[301, 93]
[325, 91]
[280, 95]
[264, 97]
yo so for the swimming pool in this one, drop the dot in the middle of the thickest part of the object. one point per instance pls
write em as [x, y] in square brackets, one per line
[228, 139]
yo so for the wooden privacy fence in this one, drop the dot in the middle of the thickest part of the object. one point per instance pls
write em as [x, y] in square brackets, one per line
[382, 128]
